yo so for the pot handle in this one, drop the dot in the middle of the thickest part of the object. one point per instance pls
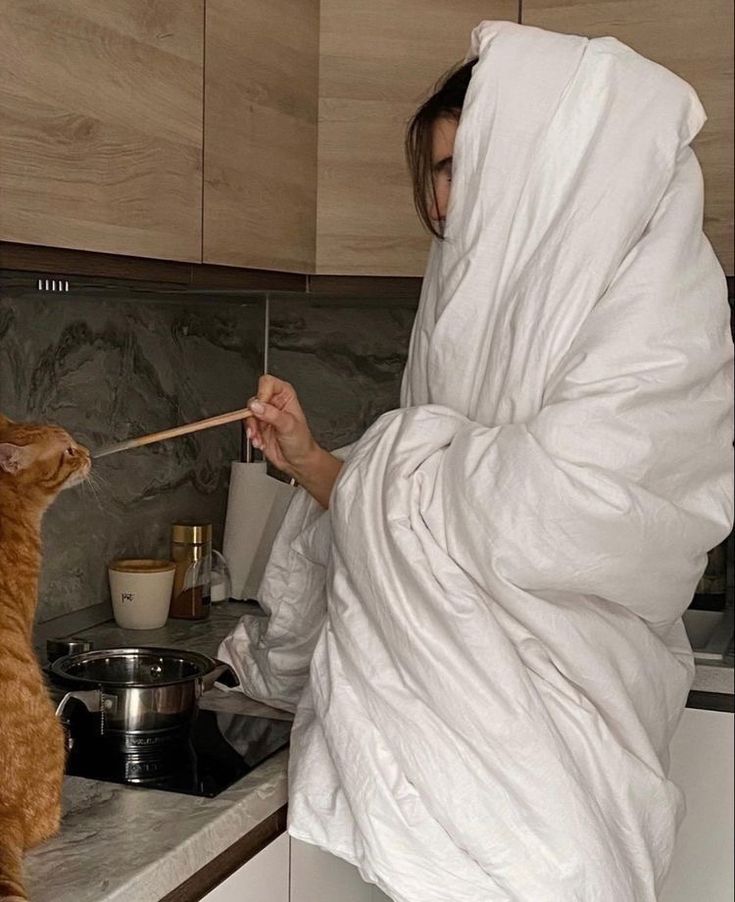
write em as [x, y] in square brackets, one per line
[90, 698]
[221, 669]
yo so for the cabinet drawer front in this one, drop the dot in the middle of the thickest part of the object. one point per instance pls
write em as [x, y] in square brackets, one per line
[317, 876]
[702, 767]
[262, 879]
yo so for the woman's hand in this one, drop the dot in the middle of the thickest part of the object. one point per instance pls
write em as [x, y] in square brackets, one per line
[278, 427]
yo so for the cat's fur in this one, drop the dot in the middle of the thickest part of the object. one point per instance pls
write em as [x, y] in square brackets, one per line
[36, 463]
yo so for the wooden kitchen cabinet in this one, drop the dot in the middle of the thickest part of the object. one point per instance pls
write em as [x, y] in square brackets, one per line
[265, 878]
[378, 61]
[101, 125]
[269, 133]
[260, 113]
[695, 40]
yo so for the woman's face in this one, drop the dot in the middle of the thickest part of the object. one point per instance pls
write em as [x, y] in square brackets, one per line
[442, 150]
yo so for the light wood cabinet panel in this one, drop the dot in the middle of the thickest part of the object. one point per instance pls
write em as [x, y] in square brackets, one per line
[378, 61]
[261, 77]
[693, 39]
[101, 125]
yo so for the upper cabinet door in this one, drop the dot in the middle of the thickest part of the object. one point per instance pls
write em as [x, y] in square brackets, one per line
[693, 39]
[378, 62]
[101, 125]
[260, 112]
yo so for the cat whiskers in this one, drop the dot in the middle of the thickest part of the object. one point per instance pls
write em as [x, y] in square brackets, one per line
[96, 484]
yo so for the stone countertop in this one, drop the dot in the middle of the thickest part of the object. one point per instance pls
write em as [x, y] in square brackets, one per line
[126, 844]
[122, 844]
[714, 678]
[196, 635]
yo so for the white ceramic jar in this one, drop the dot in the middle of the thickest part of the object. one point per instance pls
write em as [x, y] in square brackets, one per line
[141, 592]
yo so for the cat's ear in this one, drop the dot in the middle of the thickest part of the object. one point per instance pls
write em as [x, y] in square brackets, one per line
[14, 458]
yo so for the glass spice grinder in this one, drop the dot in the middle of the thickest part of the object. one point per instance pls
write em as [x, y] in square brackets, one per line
[191, 551]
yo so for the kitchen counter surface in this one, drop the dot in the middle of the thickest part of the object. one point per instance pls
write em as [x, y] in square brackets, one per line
[714, 678]
[196, 635]
[122, 844]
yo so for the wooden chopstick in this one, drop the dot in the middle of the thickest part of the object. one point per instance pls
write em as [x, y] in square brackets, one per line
[219, 420]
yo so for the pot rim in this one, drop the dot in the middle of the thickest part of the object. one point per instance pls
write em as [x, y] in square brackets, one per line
[204, 661]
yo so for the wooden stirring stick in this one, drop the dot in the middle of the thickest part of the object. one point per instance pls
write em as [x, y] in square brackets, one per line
[219, 420]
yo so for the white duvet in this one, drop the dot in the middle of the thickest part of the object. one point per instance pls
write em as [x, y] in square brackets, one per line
[482, 637]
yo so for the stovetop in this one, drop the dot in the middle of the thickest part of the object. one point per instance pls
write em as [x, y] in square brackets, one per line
[222, 748]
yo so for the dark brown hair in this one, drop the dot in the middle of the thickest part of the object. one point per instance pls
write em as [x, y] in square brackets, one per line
[446, 102]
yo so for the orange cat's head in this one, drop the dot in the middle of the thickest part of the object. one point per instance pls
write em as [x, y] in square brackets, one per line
[40, 460]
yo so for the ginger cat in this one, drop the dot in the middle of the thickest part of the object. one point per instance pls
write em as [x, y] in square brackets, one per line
[36, 463]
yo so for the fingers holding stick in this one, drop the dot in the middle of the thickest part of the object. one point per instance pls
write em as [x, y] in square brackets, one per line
[267, 420]
[278, 426]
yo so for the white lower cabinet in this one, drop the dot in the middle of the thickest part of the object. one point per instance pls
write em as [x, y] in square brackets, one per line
[702, 766]
[262, 879]
[317, 876]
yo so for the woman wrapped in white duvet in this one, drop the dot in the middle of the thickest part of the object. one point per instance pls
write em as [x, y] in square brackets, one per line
[481, 636]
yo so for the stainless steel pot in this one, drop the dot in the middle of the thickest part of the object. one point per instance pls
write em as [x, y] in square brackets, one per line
[142, 696]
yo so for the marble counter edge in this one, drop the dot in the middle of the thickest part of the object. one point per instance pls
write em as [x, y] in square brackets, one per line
[242, 808]
[711, 678]
[161, 877]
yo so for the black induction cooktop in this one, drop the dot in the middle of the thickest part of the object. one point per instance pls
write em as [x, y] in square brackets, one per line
[220, 749]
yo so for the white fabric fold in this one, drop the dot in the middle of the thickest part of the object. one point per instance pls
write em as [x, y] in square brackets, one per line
[271, 654]
[489, 614]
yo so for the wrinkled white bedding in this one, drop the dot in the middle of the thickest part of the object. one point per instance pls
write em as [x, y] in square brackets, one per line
[482, 637]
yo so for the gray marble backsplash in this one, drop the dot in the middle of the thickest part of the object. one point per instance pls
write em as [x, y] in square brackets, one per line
[345, 359]
[109, 361]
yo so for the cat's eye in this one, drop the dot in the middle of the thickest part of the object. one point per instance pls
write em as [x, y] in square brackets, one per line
[71, 451]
